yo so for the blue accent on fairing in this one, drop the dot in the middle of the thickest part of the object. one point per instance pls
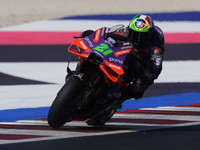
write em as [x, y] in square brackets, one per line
[175, 16]
[167, 100]
[150, 102]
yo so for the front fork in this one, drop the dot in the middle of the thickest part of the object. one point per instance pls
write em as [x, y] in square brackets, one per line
[112, 93]
[69, 74]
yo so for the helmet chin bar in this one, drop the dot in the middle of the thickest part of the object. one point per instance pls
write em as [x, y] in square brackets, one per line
[140, 39]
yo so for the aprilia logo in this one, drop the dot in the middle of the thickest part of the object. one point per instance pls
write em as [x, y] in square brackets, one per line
[119, 53]
[97, 35]
[82, 44]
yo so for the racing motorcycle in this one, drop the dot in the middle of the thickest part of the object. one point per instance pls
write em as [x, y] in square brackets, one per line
[97, 83]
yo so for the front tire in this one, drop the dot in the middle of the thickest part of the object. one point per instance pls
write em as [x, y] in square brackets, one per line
[59, 112]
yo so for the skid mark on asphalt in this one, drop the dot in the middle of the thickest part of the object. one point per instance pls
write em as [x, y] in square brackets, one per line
[122, 122]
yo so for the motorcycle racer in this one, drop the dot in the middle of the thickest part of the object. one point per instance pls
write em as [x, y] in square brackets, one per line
[144, 63]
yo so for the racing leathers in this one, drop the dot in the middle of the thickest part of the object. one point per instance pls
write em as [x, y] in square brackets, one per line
[144, 63]
[142, 66]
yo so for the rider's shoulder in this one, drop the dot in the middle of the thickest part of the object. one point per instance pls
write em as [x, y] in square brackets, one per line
[159, 32]
[158, 35]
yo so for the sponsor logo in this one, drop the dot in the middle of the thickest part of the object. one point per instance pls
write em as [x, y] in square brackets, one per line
[158, 61]
[119, 53]
[115, 60]
[89, 42]
[114, 66]
[107, 30]
[140, 23]
[102, 32]
[98, 54]
[111, 40]
[157, 51]
[80, 76]
[126, 47]
[109, 43]
[127, 43]
[83, 44]
[97, 35]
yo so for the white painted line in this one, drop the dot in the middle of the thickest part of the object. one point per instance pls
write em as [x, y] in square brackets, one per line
[81, 25]
[32, 96]
[55, 72]
[191, 109]
[159, 116]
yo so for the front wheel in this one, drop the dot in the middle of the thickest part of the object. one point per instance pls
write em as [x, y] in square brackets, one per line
[59, 112]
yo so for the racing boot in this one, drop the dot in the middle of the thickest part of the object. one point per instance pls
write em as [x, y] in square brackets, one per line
[102, 118]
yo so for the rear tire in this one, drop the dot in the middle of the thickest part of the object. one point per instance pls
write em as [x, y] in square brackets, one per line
[59, 112]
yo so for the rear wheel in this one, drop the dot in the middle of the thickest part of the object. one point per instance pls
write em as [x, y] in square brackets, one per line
[60, 111]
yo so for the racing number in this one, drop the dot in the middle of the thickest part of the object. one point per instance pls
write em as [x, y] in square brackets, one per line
[104, 49]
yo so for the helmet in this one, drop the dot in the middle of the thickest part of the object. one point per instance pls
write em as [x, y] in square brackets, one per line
[141, 30]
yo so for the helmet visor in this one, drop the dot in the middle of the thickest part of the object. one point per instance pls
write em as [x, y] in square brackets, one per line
[139, 38]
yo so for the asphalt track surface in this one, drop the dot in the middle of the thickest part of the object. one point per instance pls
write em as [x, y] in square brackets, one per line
[34, 53]
[182, 138]
[174, 138]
